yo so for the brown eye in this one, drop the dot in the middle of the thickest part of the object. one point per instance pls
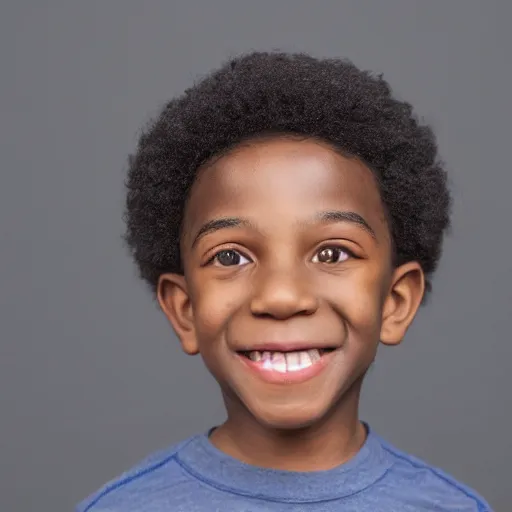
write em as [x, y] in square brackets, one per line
[330, 255]
[229, 258]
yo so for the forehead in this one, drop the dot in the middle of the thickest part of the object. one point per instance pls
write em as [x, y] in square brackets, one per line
[283, 178]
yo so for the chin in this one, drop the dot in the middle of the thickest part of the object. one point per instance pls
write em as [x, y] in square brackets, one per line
[299, 418]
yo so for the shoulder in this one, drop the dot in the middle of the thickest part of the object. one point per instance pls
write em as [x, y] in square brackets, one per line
[430, 487]
[154, 476]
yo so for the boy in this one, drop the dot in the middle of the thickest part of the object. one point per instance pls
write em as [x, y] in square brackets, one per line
[288, 214]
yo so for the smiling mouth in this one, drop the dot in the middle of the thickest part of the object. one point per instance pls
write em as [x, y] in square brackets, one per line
[286, 362]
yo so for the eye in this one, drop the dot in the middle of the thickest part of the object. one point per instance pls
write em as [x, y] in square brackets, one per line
[229, 258]
[331, 255]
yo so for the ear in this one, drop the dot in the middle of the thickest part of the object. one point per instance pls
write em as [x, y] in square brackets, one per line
[402, 303]
[174, 299]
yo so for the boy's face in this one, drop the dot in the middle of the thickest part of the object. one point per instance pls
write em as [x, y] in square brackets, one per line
[286, 248]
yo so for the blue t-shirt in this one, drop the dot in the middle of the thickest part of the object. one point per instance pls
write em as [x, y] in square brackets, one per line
[194, 476]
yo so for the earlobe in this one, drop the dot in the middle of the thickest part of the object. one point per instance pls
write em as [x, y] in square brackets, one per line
[402, 303]
[174, 300]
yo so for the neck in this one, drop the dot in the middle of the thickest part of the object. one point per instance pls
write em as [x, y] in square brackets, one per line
[333, 440]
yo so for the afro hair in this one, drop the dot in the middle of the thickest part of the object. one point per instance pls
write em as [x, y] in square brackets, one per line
[261, 94]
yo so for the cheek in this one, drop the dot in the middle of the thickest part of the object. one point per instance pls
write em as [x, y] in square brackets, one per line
[214, 306]
[358, 296]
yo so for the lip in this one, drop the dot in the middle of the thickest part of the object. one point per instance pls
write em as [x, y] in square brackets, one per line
[294, 377]
[288, 346]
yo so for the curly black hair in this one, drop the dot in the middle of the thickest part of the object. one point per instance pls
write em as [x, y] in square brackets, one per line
[271, 92]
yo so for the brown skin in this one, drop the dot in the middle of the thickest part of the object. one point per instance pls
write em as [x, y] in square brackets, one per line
[279, 286]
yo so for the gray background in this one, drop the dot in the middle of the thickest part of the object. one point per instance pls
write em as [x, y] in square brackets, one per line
[91, 376]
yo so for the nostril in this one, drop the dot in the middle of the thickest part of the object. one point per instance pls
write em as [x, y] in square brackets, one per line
[262, 314]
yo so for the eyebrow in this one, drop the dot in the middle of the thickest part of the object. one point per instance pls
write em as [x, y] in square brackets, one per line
[346, 216]
[325, 217]
[217, 224]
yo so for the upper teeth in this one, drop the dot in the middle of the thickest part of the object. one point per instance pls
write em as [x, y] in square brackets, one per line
[286, 361]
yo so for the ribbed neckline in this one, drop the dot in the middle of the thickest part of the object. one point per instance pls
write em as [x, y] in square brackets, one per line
[204, 461]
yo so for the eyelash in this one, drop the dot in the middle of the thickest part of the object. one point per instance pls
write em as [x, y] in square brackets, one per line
[214, 258]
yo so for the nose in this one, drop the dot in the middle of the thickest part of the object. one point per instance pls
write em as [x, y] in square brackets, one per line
[283, 294]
